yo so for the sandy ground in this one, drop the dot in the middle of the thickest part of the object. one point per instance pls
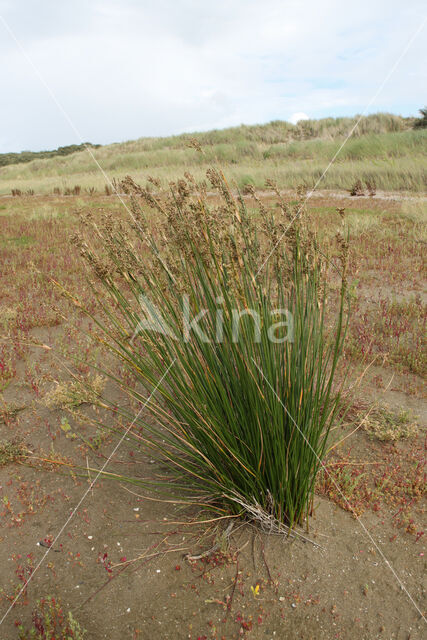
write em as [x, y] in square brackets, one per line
[122, 567]
[339, 585]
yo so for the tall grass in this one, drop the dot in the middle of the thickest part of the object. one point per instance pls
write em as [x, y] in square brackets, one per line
[242, 417]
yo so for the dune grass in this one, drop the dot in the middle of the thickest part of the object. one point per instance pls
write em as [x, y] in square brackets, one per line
[383, 148]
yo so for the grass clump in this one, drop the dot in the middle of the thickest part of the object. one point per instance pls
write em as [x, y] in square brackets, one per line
[387, 425]
[225, 314]
[11, 451]
[72, 394]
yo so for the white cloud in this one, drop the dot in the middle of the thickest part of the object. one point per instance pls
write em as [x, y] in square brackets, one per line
[296, 117]
[124, 68]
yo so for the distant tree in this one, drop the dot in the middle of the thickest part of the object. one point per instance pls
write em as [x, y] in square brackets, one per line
[27, 156]
[421, 122]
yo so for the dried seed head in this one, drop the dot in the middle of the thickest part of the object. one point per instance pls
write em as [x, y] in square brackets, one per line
[195, 145]
[341, 212]
[155, 181]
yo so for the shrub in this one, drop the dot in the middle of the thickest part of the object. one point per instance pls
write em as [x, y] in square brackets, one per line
[371, 186]
[421, 123]
[28, 156]
[243, 415]
[357, 189]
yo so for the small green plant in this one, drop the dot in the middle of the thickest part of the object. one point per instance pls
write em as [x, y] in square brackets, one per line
[66, 429]
[93, 443]
[49, 622]
[9, 412]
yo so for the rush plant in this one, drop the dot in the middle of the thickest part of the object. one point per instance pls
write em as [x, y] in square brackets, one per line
[229, 296]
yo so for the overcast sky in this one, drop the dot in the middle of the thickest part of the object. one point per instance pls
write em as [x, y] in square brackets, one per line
[125, 69]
